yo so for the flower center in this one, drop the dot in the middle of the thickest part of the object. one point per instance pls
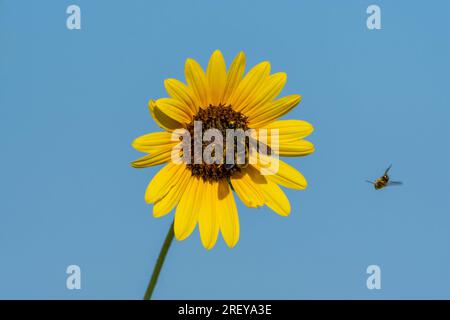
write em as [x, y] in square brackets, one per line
[219, 117]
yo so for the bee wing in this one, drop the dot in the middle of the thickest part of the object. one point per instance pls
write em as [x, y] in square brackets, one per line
[370, 182]
[229, 166]
[387, 170]
[394, 183]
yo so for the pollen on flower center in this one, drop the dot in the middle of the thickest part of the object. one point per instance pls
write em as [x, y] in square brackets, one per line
[219, 117]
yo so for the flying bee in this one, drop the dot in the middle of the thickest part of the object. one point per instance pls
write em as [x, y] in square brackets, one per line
[384, 180]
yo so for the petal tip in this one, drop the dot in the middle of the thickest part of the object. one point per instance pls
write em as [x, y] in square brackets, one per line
[231, 244]
[217, 52]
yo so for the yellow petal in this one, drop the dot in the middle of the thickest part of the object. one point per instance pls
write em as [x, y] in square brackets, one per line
[254, 79]
[186, 214]
[217, 77]
[282, 173]
[197, 81]
[153, 142]
[247, 185]
[153, 159]
[276, 199]
[178, 90]
[229, 219]
[296, 148]
[290, 130]
[174, 109]
[268, 192]
[162, 182]
[269, 91]
[208, 220]
[162, 119]
[234, 77]
[172, 198]
[274, 110]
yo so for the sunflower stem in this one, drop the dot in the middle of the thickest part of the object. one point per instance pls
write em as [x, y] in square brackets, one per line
[159, 263]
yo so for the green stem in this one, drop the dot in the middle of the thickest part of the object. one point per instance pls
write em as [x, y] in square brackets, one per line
[159, 263]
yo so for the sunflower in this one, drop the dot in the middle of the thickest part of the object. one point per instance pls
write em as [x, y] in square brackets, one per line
[204, 193]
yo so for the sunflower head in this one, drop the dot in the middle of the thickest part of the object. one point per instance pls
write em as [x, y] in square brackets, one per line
[221, 118]
[207, 116]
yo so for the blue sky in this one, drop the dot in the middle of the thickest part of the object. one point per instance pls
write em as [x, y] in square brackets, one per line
[71, 102]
